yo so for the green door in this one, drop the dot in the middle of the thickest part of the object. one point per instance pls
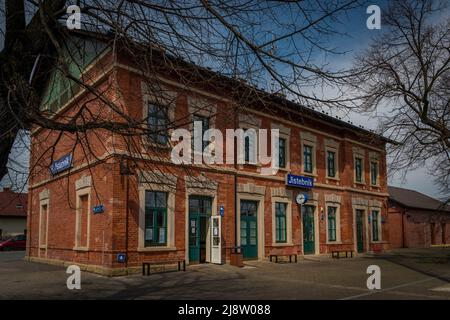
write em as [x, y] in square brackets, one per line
[194, 239]
[359, 230]
[249, 229]
[199, 212]
[308, 229]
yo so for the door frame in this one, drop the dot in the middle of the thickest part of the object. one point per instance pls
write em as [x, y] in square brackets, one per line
[363, 219]
[208, 231]
[366, 242]
[259, 221]
[247, 229]
[316, 228]
[219, 218]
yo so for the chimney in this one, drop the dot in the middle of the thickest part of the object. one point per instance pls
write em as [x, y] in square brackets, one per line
[6, 189]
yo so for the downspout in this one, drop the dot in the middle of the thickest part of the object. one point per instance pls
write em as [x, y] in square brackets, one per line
[403, 227]
[29, 222]
[126, 221]
[235, 185]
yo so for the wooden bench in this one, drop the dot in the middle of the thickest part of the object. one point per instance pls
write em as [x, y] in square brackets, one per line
[146, 265]
[337, 253]
[281, 255]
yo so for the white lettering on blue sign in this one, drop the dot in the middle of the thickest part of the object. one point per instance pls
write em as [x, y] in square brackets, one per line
[98, 209]
[61, 164]
[299, 181]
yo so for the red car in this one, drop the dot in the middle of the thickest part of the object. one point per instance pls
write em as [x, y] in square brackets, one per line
[16, 243]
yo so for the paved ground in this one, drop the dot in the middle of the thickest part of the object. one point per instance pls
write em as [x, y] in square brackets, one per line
[405, 274]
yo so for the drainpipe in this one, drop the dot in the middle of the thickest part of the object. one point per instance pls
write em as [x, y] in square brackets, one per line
[235, 184]
[126, 217]
[403, 228]
[235, 211]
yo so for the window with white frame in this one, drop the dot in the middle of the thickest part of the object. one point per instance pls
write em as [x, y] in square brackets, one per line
[157, 121]
[308, 145]
[331, 164]
[282, 151]
[250, 146]
[332, 158]
[280, 222]
[375, 225]
[283, 145]
[374, 172]
[308, 158]
[155, 229]
[332, 225]
[358, 164]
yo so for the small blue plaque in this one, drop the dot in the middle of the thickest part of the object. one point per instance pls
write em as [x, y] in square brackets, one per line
[121, 257]
[99, 209]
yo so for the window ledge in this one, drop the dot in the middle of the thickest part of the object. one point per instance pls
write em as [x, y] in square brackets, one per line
[156, 249]
[333, 242]
[242, 166]
[80, 248]
[315, 175]
[333, 178]
[156, 146]
[284, 244]
[43, 246]
[252, 164]
[360, 183]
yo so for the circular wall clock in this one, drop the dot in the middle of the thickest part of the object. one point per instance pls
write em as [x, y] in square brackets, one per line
[301, 198]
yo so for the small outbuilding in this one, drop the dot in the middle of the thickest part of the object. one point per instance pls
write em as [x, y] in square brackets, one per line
[13, 213]
[417, 220]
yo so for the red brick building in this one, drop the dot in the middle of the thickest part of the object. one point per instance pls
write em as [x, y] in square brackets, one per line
[149, 208]
[417, 220]
[13, 213]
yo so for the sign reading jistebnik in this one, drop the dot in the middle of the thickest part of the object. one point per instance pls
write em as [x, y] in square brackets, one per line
[299, 181]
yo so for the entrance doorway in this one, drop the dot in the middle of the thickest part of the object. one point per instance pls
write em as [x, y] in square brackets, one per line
[200, 209]
[308, 229]
[249, 229]
[359, 230]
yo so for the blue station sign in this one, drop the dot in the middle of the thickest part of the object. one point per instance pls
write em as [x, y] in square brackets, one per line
[98, 209]
[299, 181]
[61, 164]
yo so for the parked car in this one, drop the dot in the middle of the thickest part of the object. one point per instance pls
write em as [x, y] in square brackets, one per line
[15, 243]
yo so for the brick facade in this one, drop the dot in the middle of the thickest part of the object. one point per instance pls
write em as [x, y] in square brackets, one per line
[417, 228]
[97, 177]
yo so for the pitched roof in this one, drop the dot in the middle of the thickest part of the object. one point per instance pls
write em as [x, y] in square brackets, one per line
[224, 81]
[13, 204]
[413, 199]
